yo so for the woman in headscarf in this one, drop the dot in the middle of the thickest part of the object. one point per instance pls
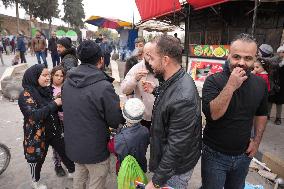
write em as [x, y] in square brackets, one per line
[41, 122]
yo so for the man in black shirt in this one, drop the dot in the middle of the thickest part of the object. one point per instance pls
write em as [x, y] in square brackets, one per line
[233, 101]
[52, 47]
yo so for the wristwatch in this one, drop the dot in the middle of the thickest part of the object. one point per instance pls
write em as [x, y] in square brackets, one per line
[156, 185]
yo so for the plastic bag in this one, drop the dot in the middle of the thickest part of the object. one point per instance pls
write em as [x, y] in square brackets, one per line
[129, 172]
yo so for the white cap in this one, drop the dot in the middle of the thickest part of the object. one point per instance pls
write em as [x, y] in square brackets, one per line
[133, 110]
[280, 49]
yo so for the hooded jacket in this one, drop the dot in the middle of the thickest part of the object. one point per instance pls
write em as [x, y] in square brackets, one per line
[90, 107]
[69, 59]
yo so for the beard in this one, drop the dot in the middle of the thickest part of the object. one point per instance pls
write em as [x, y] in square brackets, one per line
[244, 67]
[159, 74]
[148, 66]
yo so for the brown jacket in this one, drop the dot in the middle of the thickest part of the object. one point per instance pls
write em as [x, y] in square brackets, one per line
[38, 44]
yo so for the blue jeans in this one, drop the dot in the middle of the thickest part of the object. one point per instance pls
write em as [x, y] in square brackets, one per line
[180, 181]
[55, 59]
[219, 170]
[43, 57]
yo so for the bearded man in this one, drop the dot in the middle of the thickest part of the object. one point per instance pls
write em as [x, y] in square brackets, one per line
[234, 101]
[133, 84]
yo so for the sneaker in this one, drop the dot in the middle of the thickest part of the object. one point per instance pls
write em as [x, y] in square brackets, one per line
[36, 185]
[70, 175]
[59, 171]
[277, 121]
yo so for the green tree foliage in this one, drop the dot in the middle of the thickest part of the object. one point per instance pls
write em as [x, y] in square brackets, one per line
[42, 9]
[7, 3]
[74, 13]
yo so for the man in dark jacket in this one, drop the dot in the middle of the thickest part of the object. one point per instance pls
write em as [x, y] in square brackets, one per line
[176, 119]
[21, 47]
[52, 47]
[106, 49]
[67, 53]
[90, 106]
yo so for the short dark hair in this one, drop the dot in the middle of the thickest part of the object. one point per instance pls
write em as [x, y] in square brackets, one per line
[139, 40]
[169, 46]
[244, 37]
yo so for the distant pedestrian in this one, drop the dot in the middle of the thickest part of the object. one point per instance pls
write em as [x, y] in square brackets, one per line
[7, 45]
[41, 122]
[21, 47]
[1, 53]
[52, 47]
[39, 47]
[99, 39]
[13, 45]
[68, 53]
[277, 85]
[106, 49]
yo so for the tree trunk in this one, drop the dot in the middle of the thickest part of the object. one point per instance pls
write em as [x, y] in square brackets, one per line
[49, 26]
[31, 25]
[17, 15]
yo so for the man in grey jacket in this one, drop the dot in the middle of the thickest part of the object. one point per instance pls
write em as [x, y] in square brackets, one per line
[90, 107]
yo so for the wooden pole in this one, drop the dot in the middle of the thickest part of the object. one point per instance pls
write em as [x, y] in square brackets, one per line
[17, 16]
[186, 42]
[254, 17]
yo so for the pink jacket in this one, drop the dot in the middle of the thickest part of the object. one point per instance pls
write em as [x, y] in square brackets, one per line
[129, 84]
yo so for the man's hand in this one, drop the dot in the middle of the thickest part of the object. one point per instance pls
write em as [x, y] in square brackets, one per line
[148, 86]
[238, 76]
[140, 74]
[252, 149]
[150, 185]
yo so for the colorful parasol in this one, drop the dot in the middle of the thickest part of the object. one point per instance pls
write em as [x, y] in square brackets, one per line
[107, 22]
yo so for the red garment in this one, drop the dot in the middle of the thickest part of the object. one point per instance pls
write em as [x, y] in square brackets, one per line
[266, 79]
[110, 147]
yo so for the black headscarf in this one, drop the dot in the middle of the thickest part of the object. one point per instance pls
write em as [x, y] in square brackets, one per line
[42, 95]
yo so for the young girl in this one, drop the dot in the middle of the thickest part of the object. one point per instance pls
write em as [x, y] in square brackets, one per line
[57, 79]
[261, 68]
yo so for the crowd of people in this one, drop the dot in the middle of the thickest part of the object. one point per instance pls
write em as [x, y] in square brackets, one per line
[163, 110]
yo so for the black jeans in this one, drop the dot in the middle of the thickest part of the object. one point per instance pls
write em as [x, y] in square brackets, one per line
[57, 143]
[55, 59]
[22, 56]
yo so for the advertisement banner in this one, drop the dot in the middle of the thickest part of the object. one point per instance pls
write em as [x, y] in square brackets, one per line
[200, 68]
[209, 51]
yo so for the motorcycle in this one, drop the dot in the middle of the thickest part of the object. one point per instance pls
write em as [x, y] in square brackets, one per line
[5, 157]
